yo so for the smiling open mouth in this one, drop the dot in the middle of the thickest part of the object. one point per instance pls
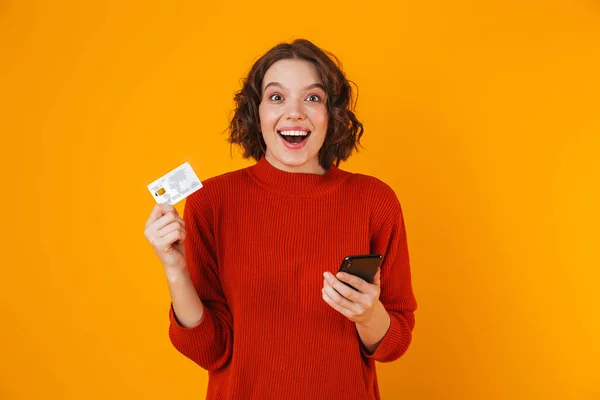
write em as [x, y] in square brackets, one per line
[294, 137]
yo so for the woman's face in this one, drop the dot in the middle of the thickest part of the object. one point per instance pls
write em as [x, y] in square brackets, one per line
[293, 116]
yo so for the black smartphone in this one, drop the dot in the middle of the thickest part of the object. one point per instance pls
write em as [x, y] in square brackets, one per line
[364, 266]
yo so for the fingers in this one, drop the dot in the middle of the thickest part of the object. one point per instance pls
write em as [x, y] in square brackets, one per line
[339, 302]
[347, 299]
[165, 236]
[361, 285]
[342, 289]
[158, 211]
[165, 242]
[165, 230]
[339, 308]
[163, 221]
[173, 226]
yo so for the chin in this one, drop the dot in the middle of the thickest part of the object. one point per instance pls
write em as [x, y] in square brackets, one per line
[296, 161]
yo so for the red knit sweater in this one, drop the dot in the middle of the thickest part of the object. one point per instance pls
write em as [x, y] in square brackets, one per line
[258, 242]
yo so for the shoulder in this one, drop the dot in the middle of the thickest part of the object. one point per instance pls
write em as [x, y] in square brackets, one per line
[226, 180]
[374, 189]
[380, 198]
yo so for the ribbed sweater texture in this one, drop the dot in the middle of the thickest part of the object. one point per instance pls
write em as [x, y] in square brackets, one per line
[258, 241]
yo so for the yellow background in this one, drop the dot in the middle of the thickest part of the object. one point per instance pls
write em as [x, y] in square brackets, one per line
[483, 117]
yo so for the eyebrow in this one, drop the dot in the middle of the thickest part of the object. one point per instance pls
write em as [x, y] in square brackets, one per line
[313, 86]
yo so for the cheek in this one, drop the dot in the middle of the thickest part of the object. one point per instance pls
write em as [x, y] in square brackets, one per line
[268, 117]
[319, 118]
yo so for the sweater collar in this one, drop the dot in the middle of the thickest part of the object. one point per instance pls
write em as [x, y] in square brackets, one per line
[295, 183]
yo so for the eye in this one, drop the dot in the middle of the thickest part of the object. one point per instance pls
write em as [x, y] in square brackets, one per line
[313, 97]
[275, 97]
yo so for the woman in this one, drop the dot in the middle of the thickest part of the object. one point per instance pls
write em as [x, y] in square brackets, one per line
[256, 295]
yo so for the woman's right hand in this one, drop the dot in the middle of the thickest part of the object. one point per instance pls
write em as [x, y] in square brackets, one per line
[165, 230]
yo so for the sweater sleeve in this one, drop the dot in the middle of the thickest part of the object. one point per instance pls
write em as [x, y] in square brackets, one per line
[210, 343]
[389, 239]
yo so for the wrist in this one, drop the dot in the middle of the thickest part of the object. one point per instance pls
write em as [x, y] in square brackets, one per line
[378, 315]
[176, 275]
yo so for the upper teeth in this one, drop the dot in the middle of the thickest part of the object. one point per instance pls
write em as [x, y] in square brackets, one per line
[294, 133]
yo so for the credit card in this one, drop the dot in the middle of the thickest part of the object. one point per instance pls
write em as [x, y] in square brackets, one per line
[175, 185]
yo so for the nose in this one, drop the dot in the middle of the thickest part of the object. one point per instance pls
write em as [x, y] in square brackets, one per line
[294, 111]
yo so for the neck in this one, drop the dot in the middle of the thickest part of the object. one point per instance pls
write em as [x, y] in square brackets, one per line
[311, 167]
[296, 184]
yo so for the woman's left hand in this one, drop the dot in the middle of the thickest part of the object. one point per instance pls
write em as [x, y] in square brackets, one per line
[356, 305]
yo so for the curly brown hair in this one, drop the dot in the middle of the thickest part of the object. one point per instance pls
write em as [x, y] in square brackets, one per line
[344, 129]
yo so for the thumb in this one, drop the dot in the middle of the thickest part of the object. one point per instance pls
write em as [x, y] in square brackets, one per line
[180, 246]
[377, 277]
